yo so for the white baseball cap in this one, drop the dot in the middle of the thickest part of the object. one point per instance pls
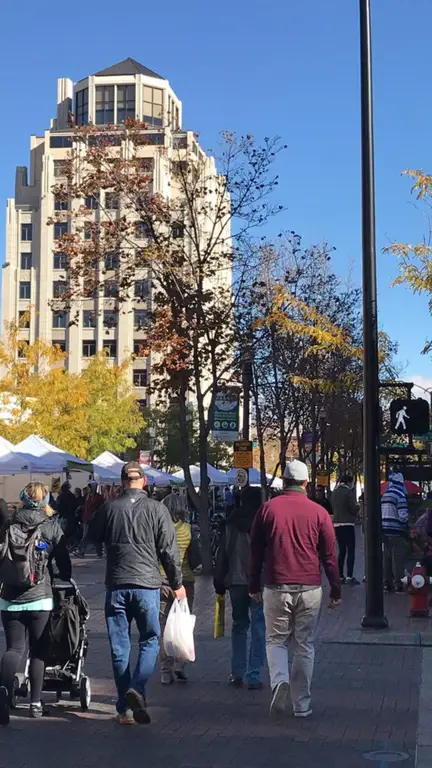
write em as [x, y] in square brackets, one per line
[297, 470]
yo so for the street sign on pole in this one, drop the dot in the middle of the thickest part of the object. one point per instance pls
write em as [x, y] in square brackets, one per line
[242, 478]
[243, 454]
[225, 424]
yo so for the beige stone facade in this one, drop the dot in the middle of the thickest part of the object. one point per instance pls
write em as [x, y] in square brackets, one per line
[33, 267]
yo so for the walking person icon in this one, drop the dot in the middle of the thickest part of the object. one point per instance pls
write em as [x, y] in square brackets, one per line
[400, 419]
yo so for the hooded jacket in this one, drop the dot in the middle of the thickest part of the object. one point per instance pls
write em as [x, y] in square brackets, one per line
[344, 505]
[52, 534]
[233, 558]
[394, 507]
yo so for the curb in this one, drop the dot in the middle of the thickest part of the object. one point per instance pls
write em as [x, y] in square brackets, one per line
[424, 730]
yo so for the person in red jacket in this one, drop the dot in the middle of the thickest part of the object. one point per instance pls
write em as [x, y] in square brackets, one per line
[291, 537]
[93, 501]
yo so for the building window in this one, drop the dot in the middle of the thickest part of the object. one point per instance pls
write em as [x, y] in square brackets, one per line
[138, 349]
[141, 289]
[142, 404]
[59, 319]
[26, 232]
[140, 319]
[109, 318]
[60, 344]
[89, 318]
[88, 348]
[60, 204]
[24, 319]
[60, 168]
[26, 260]
[111, 201]
[111, 348]
[125, 103]
[141, 230]
[104, 104]
[177, 230]
[111, 289]
[60, 260]
[60, 229]
[180, 142]
[24, 290]
[112, 260]
[145, 165]
[140, 378]
[59, 289]
[153, 106]
[104, 140]
[153, 139]
[81, 107]
[22, 350]
[60, 142]
[92, 202]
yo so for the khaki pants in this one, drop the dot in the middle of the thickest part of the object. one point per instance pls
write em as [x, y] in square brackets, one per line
[292, 617]
[167, 663]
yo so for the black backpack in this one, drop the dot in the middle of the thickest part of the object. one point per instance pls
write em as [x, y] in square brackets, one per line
[23, 555]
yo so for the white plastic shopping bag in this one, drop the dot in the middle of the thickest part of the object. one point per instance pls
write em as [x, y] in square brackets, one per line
[178, 637]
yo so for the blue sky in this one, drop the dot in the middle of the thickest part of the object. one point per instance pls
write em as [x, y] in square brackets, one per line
[287, 67]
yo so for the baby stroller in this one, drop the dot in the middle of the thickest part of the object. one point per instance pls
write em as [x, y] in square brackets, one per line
[68, 644]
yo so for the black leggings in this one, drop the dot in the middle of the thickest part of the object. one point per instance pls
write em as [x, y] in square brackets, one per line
[16, 624]
[346, 539]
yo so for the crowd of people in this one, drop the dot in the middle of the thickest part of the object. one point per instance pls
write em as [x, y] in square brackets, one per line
[270, 560]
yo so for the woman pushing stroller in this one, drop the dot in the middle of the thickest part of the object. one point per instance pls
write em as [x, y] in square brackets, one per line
[29, 540]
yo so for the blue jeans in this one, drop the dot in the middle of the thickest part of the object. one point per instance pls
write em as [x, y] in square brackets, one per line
[246, 613]
[121, 607]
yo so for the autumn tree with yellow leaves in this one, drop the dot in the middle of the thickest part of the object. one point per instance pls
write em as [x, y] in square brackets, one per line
[304, 326]
[83, 414]
[415, 259]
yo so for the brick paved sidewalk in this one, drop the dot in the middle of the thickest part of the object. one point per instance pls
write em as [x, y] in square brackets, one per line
[365, 698]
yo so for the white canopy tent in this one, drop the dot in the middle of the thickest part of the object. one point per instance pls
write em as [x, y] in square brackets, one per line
[5, 446]
[42, 457]
[108, 467]
[215, 476]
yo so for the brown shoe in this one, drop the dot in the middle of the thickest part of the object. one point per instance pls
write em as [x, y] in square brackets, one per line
[137, 703]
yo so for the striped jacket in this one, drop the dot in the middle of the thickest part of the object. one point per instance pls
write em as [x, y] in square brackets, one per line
[394, 507]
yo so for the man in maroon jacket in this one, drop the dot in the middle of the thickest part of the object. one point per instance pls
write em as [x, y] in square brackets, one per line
[290, 538]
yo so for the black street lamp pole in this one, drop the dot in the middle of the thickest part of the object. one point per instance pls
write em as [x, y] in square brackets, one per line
[374, 613]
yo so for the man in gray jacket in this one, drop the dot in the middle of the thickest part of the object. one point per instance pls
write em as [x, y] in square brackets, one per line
[137, 533]
[344, 520]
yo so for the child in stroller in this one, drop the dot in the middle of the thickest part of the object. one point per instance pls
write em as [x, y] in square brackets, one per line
[68, 644]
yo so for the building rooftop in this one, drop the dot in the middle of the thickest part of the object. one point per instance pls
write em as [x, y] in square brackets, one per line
[127, 67]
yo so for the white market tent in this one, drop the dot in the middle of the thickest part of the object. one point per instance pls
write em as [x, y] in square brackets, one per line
[157, 477]
[5, 446]
[215, 476]
[42, 457]
[108, 467]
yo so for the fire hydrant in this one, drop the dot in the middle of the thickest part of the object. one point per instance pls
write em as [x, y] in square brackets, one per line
[418, 588]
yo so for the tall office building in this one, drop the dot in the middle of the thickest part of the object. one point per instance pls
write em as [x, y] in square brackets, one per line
[34, 271]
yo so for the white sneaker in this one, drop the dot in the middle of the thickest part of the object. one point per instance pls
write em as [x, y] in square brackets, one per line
[279, 700]
[303, 713]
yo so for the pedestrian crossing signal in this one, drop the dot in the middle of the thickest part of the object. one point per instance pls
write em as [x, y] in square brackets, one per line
[409, 417]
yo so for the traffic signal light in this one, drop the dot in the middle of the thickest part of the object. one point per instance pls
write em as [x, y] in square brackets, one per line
[409, 417]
